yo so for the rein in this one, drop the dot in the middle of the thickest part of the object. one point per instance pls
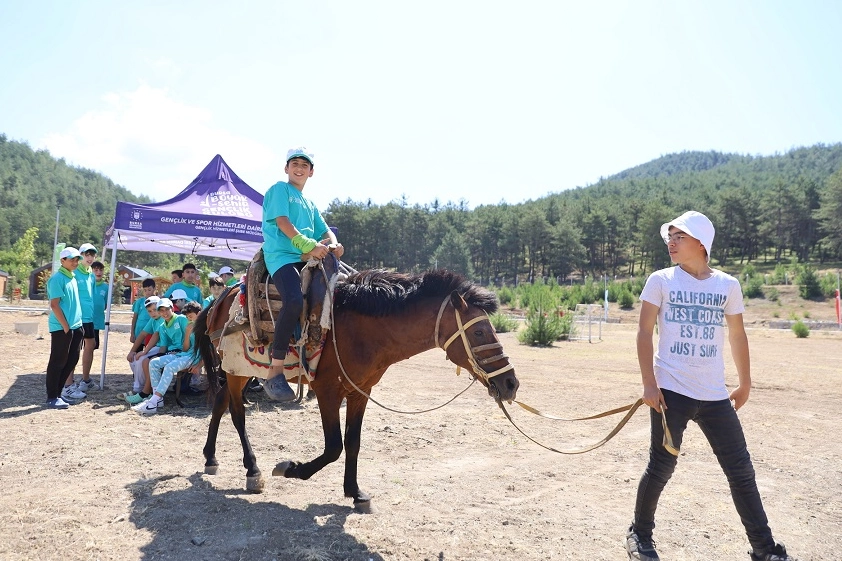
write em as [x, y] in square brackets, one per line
[631, 409]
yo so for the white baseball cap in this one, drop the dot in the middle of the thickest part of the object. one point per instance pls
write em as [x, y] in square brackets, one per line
[300, 152]
[87, 247]
[151, 300]
[693, 224]
[178, 294]
[70, 252]
[226, 271]
[164, 303]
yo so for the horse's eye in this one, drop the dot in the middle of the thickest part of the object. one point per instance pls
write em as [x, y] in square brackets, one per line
[478, 333]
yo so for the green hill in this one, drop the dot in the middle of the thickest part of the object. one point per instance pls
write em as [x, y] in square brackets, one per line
[33, 184]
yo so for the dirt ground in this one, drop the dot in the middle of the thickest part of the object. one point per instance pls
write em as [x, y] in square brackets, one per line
[99, 482]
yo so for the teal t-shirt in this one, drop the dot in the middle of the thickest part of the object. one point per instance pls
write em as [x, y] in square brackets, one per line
[171, 333]
[283, 199]
[100, 298]
[194, 293]
[152, 325]
[63, 285]
[191, 350]
[143, 316]
[85, 282]
[208, 301]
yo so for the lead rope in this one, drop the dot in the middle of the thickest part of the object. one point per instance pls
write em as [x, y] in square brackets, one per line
[632, 408]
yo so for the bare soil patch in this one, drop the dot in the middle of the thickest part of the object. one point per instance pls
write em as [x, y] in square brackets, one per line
[99, 482]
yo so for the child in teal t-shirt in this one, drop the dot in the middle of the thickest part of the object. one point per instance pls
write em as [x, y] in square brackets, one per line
[65, 324]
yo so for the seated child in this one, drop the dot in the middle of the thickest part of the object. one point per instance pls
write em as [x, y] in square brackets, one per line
[175, 336]
[139, 360]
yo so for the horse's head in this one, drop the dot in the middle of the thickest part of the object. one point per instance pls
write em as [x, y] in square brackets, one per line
[470, 341]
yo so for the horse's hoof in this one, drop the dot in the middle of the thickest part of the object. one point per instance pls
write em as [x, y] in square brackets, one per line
[211, 470]
[254, 483]
[281, 469]
[363, 507]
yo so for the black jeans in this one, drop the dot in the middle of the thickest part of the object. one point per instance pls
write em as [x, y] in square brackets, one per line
[64, 355]
[721, 426]
[287, 280]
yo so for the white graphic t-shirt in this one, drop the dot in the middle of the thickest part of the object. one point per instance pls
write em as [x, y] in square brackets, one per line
[691, 328]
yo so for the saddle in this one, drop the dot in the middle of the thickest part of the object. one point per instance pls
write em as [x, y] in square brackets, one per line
[263, 301]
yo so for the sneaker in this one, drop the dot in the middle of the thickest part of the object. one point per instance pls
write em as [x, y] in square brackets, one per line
[279, 389]
[87, 385]
[777, 553]
[72, 393]
[640, 548]
[148, 407]
[57, 403]
[135, 398]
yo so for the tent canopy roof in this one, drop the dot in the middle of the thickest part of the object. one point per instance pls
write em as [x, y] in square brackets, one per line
[217, 215]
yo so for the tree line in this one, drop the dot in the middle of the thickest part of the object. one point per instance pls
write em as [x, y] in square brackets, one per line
[770, 209]
[767, 209]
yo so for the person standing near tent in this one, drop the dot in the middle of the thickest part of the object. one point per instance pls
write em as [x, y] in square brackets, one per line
[139, 314]
[86, 282]
[227, 275]
[100, 297]
[65, 323]
[292, 226]
[188, 284]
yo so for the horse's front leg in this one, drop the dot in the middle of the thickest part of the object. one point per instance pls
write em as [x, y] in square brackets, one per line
[353, 433]
[329, 409]
[235, 385]
[220, 404]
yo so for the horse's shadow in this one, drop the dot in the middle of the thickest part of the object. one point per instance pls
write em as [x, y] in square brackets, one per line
[190, 519]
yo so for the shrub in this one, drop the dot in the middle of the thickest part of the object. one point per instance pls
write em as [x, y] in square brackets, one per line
[828, 285]
[800, 329]
[626, 300]
[568, 327]
[808, 283]
[753, 288]
[503, 323]
[505, 295]
[543, 324]
[772, 294]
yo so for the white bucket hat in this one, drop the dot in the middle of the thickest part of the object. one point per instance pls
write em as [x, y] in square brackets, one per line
[693, 224]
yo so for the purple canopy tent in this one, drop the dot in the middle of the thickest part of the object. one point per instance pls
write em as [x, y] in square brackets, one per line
[217, 215]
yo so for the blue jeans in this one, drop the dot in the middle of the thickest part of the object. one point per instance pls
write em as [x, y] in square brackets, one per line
[287, 280]
[721, 426]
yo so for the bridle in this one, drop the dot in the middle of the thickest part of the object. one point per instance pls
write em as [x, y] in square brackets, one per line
[471, 352]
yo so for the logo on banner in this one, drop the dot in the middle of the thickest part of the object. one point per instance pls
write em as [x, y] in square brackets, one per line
[226, 203]
[136, 220]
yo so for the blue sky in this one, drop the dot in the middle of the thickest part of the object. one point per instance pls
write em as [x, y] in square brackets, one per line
[477, 100]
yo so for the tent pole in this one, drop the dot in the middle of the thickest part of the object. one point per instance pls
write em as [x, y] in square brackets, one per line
[114, 235]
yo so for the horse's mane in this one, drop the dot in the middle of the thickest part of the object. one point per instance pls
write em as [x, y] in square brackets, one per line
[380, 293]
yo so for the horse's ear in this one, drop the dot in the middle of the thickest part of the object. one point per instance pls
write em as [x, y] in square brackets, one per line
[458, 302]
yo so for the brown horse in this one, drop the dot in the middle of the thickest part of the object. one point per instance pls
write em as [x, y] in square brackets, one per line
[380, 318]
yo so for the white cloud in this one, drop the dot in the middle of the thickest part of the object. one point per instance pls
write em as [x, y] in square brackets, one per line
[152, 143]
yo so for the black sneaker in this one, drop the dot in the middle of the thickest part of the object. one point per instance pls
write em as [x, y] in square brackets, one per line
[777, 553]
[640, 548]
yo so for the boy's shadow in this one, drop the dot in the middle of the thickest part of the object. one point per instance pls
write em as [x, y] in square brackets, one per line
[198, 521]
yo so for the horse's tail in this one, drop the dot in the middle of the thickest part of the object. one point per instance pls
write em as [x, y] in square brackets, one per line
[207, 352]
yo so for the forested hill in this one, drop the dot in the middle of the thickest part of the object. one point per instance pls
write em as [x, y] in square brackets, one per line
[33, 184]
[766, 209]
[673, 164]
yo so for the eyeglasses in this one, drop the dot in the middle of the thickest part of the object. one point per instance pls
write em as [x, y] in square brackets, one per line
[674, 238]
